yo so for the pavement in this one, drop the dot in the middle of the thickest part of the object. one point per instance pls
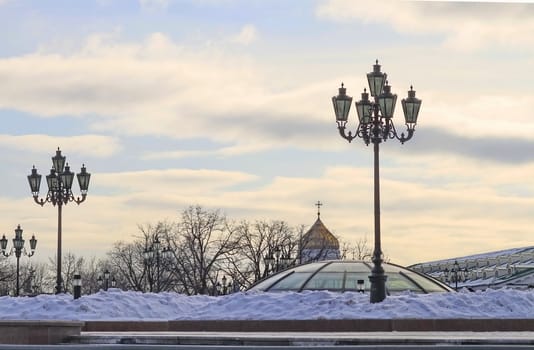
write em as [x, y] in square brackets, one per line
[307, 339]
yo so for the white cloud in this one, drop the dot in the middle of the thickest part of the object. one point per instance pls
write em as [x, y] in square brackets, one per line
[247, 35]
[157, 87]
[87, 145]
[160, 88]
[464, 25]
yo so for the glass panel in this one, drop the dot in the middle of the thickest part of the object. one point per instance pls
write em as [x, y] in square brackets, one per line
[265, 284]
[326, 280]
[309, 267]
[397, 283]
[343, 107]
[392, 268]
[351, 283]
[349, 267]
[387, 106]
[375, 84]
[428, 285]
[292, 282]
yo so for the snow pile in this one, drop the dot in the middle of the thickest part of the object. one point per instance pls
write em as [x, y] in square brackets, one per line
[116, 304]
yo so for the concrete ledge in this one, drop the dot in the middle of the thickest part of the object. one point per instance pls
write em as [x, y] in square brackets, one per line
[356, 325]
[126, 326]
[38, 332]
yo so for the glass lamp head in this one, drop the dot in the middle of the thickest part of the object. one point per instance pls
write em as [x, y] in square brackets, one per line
[376, 80]
[410, 107]
[364, 108]
[66, 177]
[342, 104]
[34, 180]
[83, 179]
[386, 102]
[58, 161]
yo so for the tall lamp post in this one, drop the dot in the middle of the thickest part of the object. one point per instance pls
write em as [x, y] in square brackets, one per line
[59, 193]
[376, 125]
[18, 249]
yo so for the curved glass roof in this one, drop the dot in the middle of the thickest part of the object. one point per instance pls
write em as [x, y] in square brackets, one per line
[344, 275]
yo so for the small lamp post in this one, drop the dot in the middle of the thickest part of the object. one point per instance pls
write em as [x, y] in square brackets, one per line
[360, 285]
[376, 126]
[77, 285]
[59, 193]
[18, 249]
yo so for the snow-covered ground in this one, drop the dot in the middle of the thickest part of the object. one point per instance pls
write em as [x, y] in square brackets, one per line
[116, 304]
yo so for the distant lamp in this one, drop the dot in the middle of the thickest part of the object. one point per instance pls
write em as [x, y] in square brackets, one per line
[17, 249]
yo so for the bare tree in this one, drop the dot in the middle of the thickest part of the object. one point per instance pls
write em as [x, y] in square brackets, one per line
[129, 265]
[359, 250]
[159, 268]
[7, 275]
[258, 241]
[70, 264]
[203, 241]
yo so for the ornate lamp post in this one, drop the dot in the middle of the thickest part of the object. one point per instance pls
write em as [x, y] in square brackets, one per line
[59, 193]
[104, 282]
[155, 251]
[376, 125]
[18, 249]
[279, 261]
[455, 274]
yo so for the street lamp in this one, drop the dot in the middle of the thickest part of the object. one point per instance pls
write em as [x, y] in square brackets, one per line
[376, 125]
[18, 249]
[104, 282]
[155, 251]
[455, 274]
[59, 193]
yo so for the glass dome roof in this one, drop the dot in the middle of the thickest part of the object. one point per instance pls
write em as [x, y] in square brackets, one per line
[347, 275]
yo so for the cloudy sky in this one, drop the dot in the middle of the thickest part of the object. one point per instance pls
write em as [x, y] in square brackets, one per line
[227, 104]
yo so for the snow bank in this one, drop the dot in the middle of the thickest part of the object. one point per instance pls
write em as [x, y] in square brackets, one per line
[116, 304]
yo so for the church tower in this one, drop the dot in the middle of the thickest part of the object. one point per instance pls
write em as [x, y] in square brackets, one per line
[318, 243]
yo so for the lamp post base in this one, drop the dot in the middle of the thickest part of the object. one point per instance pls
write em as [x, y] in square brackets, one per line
[378, 287]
